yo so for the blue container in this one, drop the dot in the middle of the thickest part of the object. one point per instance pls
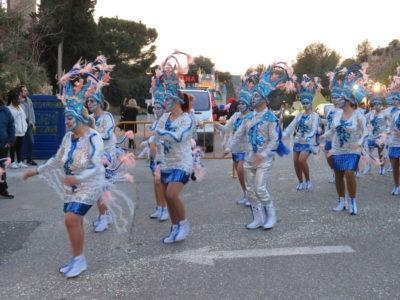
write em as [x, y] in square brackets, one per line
[50, 125]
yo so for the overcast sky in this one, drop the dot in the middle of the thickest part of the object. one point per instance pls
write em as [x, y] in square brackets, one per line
[239, 34]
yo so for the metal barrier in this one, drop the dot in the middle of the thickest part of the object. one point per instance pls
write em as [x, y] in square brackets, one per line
[140, 129]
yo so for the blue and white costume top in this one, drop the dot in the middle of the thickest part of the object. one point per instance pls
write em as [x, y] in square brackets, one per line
[231, 126]
[105, 127]
[80, 157]
[305, 128]
[175, 137]
[376, 123]
[160, 151]
[394, 136]
[330, 115]
[347, 135]
[261, 131]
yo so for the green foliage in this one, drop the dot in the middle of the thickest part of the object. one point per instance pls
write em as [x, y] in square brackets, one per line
[130, 46]
[226, 78]
[348, 62]
[201, 63]
[72, 23]
[17, 66]
[316, 60]
[260, 68]
[364, 49]
[124, 41]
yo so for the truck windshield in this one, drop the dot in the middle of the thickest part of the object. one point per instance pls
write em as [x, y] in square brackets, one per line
[201, 100]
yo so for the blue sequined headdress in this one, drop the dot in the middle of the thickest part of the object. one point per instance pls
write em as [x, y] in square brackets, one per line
[336, 82]
[157, 90]
[275, 74]
[81, 82]
[353, 84]
[169, 74]
[307, 89]
[246, 94]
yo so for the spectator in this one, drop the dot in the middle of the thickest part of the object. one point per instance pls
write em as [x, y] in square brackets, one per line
[27, 106]
[20, 128]
[233, 107]
[7, 138]
[131, 110]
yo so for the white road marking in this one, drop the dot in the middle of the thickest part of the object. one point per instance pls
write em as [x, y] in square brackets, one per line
[205, 256]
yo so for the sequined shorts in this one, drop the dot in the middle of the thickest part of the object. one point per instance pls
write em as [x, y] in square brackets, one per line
[76, 208]
[328, 146]
[345, 162]
[174, 175]
[236, 157]
[394, 152]
[297, 147]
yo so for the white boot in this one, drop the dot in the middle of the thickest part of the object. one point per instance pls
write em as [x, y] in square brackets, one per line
[381, 170]
[341, 205]
[164, 215]
[157, 213]
[353, 206]
[258, 216]
[271, 216]
[300, 186]
[77, 266]
[102, 225]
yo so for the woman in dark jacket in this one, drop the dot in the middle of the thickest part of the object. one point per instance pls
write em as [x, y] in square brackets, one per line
[129, 113]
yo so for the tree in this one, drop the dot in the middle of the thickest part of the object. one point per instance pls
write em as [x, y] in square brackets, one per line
[260, 68]
[201, 63]
[17, 64]
[347, 62]
[364, 50]
[316, 60]
[130, 46]
[226, 78]
[72, 23]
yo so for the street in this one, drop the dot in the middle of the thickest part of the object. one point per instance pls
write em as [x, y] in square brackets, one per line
[312, 253]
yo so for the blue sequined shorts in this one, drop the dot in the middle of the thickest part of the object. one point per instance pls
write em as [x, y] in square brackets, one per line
[153, 165]
[174, 175]
[345, 162]
[373, 144]
[328, 146]
[76, 208]
[236, 157]
[394, 152]
[297, 147]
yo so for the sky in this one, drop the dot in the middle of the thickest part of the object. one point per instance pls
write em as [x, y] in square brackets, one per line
[237, 35]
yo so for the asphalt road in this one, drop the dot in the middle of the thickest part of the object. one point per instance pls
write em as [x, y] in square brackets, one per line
[130, 262]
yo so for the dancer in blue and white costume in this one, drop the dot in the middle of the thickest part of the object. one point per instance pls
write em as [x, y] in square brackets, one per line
[79, 156]
[377, 122]
[161, 211]
[348, 134]
[262, 131]
[104, 125]
[233, 125]
[394, 133]
[174, 132]
[305, 125]
[336, 95]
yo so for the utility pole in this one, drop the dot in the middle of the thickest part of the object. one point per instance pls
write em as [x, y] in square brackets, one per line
[59, 64]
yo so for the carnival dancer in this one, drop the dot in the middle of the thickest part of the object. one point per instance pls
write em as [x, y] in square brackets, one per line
[305, 125]
[262, 132]
[233, 124]
[377, 124]
[104, 124]
[79, 156]
[174, 132]
[391, 108]
[336, 95]
[394, 134]
[161, 211]
[348, 133]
